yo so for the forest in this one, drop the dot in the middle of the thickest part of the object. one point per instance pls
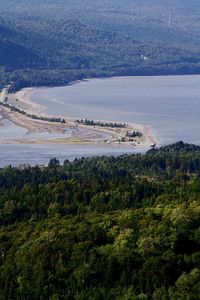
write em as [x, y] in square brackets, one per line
[124, 227]
[51, 43]
[100, 228]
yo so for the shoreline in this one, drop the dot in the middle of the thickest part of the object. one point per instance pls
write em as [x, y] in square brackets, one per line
[81, 134]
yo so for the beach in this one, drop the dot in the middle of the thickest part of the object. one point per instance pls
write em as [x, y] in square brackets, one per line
[22, 111]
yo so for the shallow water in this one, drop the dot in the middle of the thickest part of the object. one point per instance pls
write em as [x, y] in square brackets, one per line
[169, 104]
[10, 131]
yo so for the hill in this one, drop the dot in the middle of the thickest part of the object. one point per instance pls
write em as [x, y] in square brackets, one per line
[52, 43]
[103, 228]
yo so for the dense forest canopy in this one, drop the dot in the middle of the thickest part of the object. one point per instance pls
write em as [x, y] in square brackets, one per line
[54, 42]
[123, 227]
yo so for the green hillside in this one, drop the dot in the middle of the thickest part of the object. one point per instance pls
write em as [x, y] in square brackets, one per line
[103, 228]
[52, 43]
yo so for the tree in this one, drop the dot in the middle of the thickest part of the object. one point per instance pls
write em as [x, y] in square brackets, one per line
[53, 163]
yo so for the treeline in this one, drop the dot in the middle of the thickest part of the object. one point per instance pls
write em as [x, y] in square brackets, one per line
[32, 116]
[133, 134]
[103, 228]
[101, 124]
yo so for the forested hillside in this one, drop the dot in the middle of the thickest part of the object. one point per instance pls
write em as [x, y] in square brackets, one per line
[54, 42]
[103, 228]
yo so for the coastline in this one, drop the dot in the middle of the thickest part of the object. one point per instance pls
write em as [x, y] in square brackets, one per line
[81, 134]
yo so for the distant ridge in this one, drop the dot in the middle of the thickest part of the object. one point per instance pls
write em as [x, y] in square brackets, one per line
[54, 42]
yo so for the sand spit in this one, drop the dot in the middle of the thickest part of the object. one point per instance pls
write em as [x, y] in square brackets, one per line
[72, 133]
